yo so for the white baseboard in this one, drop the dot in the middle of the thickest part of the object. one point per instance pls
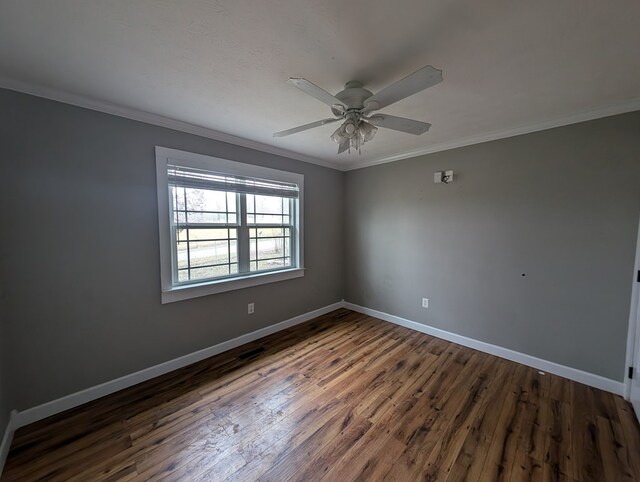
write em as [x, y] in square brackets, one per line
[25, 417]
[580, 376]
[7, 439]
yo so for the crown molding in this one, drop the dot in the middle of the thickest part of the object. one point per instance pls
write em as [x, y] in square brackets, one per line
[154, 119]
[628, 105]
[623, 107]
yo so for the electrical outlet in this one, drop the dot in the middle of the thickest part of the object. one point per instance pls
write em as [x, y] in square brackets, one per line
[425, 302]
[250, 308]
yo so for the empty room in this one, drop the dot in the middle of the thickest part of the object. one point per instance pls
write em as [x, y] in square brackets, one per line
[314, 240]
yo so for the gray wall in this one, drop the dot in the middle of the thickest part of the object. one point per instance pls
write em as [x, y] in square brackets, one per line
[80, 261]
[560, 206]
[6, 403]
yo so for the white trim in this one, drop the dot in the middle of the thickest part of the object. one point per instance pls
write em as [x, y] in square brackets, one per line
[171, 293]
[186, 292]
[7, 439]
[48, 409]
[615, 108]
[153, 119]
[590, 379]
[622, 107]
[634, 319]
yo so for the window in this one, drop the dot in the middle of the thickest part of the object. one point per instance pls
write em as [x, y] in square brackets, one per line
[225, 225]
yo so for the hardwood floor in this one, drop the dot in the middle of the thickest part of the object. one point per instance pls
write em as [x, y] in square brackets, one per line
[343, 397]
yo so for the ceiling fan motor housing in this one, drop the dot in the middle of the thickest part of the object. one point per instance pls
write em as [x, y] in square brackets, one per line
[354, 95]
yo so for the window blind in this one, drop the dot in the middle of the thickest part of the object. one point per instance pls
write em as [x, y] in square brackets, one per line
[180, 176]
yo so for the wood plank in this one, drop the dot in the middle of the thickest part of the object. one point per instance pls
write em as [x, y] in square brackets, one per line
[472, 456]
[439, 463]
[369, 458]
[286, 467]
[585, 440]
[631, 432]
[502, 451]
[558, 452]
[526, 469]
[614, 453]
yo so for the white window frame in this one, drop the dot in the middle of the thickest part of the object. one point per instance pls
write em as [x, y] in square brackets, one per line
[171, 292]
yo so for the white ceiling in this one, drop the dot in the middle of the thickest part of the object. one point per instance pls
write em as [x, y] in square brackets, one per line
[508, 66]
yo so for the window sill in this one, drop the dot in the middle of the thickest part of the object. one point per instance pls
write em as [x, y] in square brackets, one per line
[180, 293]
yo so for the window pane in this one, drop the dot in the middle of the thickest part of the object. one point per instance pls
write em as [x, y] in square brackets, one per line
[199, 248]
[233, 247]
[267, 210]
[265, 249]
[269, 204]
[232, 198]
[203, 234]
[270, 232]
[195, 206]
[203, 253]
[268, 219]
[202, 200]
[199, 217]
[209, 272]
[266, 243]
[177, 197]
[180, 217]
[182, 256]
[271, 264]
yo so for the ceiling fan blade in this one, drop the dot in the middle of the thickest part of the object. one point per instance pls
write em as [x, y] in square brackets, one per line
[344, 145]
[314, 91]
[421, 79]
[401, 124]
[311, 125]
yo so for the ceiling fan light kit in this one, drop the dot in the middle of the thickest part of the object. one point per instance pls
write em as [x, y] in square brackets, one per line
[354, 105]
[353, 133]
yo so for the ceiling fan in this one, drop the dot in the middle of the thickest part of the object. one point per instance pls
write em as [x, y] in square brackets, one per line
[355, 104]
